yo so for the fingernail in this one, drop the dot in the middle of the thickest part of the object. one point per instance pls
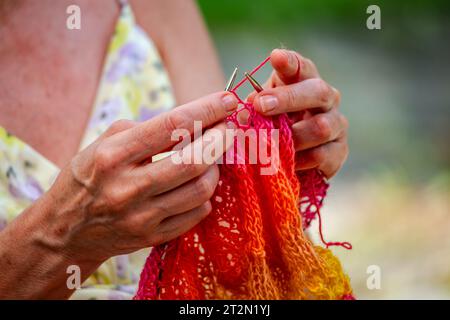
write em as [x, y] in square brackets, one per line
[230, 103]
[268, 103]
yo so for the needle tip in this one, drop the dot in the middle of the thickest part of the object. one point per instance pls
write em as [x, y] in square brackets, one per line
[231, 80]
[253, 82]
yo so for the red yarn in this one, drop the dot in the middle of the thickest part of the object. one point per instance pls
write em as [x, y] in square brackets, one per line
[314, 191]
[259, 66]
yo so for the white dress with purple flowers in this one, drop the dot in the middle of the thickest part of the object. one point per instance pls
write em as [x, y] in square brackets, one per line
[135, 86]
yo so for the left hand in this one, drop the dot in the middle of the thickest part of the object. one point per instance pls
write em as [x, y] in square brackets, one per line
[319, 129]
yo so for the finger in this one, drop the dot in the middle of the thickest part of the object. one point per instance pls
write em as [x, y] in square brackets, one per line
[328, 157]
[100, 150]
[175, 226]
[118, 126]
[286, 65]
[308, 94]
[318, 130]
[184, 165]
[157, 134]
[290, 67]
[190, 195]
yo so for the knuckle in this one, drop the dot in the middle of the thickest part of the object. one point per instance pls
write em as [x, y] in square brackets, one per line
[137, 186]
[200, 213]
[210, 108]
[192, 170]
[204, 188]
[318, 155]
[142, 224]
[83, 171]
[173, 120]
[120, 125]
[322, 127]
[150, 182]
[160, 212]
[117, 198]
[205, 209]
[291, 96]
[323, 91]
[103, 156]
[135, 225]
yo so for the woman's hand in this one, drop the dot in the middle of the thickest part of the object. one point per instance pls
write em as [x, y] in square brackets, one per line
[112, 200]
[119, 202]
[319, 129]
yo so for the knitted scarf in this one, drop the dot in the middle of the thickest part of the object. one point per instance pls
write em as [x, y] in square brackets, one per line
[252, 244]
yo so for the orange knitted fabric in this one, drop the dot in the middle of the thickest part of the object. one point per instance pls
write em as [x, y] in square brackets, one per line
[252, 245]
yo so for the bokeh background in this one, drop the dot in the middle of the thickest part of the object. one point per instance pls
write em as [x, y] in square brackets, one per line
[392, 198]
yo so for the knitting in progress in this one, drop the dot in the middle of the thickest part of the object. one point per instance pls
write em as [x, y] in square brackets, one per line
[252, 245]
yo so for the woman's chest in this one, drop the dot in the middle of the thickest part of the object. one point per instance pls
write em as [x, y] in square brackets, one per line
[47, 104]
[48, 85]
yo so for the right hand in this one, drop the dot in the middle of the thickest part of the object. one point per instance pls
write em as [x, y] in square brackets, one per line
[111, 200]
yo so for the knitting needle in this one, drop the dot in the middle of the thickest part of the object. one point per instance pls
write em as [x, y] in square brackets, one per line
[231, 80]
[253, 82]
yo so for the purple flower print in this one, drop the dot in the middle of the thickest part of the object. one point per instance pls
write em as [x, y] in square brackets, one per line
[131, 58]
[107, 113]
[130, 288]
[122, 263]
[146, 113]
[30, 189]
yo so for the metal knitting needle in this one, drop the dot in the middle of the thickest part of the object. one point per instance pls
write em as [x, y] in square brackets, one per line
[253, 82]
[231, 80]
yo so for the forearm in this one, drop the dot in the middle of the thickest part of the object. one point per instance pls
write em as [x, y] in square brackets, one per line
[30, 269]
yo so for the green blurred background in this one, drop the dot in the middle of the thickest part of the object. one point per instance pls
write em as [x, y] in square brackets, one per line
[392, 198]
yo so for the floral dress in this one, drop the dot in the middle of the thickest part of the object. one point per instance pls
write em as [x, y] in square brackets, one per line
[134, 85]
